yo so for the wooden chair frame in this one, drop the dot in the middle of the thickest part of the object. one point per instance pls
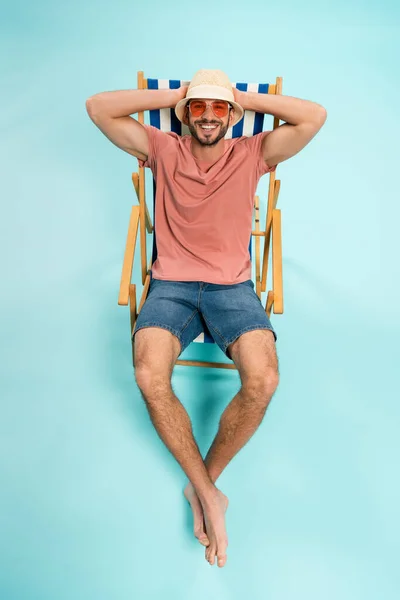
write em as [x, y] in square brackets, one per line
[141, 216]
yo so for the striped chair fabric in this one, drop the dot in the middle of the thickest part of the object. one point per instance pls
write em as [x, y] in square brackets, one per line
[166, 120]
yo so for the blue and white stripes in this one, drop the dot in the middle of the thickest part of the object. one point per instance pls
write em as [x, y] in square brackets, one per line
[166, 120]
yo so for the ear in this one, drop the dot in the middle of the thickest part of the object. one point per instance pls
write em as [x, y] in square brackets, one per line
[231, 116]
[185, 117]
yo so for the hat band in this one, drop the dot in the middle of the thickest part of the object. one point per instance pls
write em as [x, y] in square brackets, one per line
[214, 92]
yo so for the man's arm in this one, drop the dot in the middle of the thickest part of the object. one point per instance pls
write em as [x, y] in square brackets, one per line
[303, 119]
[111, 111]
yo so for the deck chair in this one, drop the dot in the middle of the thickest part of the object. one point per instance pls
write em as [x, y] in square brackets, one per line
[252, 123]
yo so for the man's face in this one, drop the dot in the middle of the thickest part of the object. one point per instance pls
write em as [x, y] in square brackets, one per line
[208, 129]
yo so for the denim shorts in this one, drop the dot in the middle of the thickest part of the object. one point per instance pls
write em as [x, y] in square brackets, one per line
[188, 308]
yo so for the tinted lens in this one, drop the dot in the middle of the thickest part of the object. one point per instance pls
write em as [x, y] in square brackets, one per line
[220, 109]
[197, 107]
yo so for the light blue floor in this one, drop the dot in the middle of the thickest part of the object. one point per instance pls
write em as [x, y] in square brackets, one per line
[91, 501]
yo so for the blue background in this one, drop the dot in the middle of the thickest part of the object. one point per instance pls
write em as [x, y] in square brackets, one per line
[91, 501]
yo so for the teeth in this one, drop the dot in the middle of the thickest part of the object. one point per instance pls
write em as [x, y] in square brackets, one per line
[208, 126]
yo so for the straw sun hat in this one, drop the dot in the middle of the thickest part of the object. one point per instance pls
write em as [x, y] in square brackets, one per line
[213, 84]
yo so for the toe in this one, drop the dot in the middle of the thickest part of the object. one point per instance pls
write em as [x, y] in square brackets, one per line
[198, 524]
[201, 534]
[221, 560]
[221, 553]
[211, 556]
[205, 541]
[203, 538]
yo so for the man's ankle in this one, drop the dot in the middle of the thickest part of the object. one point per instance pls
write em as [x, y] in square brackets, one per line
[206, 493]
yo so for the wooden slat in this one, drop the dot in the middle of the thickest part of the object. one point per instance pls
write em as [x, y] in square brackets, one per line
[142, 299]
[257, 244]
[200, 363]
[272, 198]
[142, 197]
[127, 266]
[278, 90]
[276, 194]
[269, 303]
[142, 85]
[135, 181]
[133, 315]
[277, 280]
[149, 225]
[132, 305]
[268, 219]
[145, 291]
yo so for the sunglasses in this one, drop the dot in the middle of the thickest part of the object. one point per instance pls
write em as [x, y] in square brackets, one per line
[220, 108]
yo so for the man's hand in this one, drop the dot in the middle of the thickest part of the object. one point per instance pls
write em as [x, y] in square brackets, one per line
[237, 96]
[181, 93]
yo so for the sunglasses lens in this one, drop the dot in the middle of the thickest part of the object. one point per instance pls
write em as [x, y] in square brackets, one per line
[197, 107]
[220, 109]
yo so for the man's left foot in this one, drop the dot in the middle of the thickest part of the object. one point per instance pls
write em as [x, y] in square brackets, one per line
[198, 515]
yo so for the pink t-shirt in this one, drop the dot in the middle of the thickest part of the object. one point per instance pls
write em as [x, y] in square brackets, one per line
[204, 211]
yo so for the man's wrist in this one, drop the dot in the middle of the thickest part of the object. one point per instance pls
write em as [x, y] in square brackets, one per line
[178, 94]
[240, 97]
[168, 98]
[251, 100]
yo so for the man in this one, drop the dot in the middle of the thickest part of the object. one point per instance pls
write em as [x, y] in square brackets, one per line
[202, 275]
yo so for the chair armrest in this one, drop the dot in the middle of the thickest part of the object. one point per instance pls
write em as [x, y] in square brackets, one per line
[277, 279]
[129, 256]
[135, 181]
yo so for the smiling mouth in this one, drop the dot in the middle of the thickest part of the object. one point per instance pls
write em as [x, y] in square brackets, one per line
[207, 128]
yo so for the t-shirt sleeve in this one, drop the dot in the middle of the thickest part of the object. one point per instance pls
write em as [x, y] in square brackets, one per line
[254, 144]
[159, 141]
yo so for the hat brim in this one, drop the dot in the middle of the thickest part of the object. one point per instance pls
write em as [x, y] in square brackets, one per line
[238, 110]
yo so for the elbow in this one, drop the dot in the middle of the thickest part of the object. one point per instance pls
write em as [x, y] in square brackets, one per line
[93, 107]
[321, 115]
[89, 106]
[317, 117]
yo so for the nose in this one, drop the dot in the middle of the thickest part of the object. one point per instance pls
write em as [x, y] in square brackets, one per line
[208, 112]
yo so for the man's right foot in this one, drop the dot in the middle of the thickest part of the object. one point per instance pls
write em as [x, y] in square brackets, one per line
[214, 509]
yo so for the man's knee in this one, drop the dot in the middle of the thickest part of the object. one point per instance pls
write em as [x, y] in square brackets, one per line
[262, 384]
[149, 380]
[254, 354]
[155, 351]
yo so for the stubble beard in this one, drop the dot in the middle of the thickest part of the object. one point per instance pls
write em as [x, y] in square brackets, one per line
[222, 132]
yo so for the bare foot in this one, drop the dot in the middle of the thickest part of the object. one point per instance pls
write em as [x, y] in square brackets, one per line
[214, 510]
[198, 516]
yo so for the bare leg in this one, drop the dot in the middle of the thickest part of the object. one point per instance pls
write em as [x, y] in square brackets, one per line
[238, 423]
[153, 373]
[255, 356]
